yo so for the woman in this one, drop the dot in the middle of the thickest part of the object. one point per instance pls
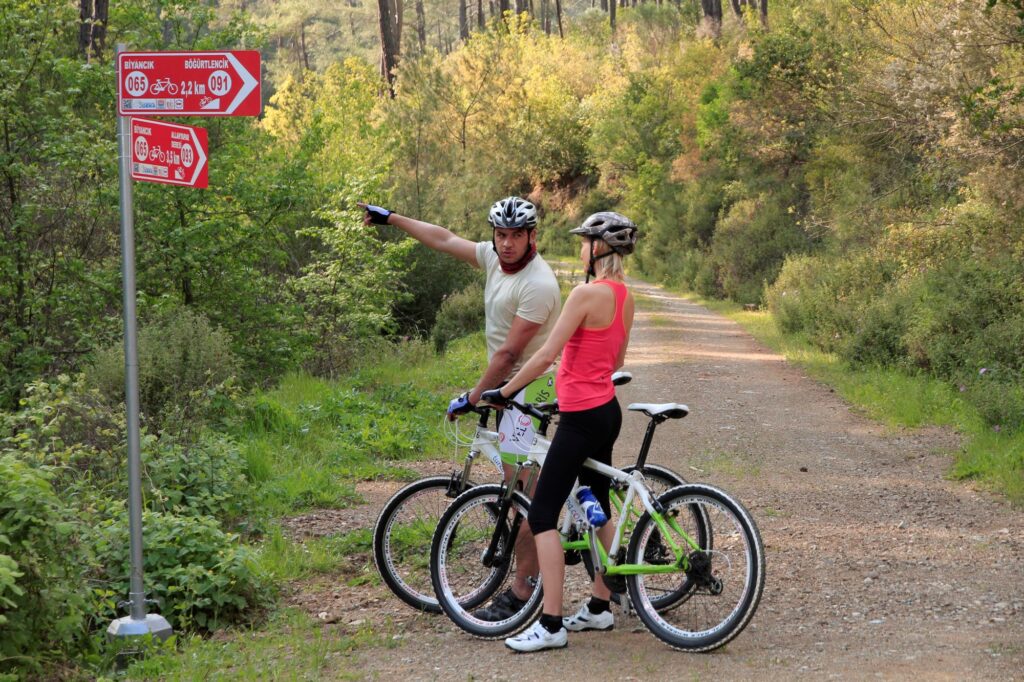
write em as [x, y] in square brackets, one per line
[594, 330]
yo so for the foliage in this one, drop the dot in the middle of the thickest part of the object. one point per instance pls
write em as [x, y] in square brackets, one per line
[45, 611]
[202, 577]
[204, 478]
[179, 353]
[66, 426]
[461, 314]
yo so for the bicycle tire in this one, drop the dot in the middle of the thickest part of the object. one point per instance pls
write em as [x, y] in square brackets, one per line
[405, 566]
[724, 583]
[461, 581]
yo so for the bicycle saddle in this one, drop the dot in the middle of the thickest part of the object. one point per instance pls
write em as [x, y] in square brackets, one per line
[662, 410]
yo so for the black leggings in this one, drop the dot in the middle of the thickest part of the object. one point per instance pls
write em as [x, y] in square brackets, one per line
[590, 433]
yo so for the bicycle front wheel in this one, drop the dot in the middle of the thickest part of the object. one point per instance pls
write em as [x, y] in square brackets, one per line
[402, 536]
[722, 583]
[462, 581]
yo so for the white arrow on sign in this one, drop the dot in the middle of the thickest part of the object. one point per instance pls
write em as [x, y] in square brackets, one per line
[200, 156]
[248, 83]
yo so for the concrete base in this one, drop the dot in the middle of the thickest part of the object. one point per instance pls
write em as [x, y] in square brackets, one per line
[154, 624]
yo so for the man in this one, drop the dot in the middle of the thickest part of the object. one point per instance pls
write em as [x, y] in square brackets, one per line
[521, 304]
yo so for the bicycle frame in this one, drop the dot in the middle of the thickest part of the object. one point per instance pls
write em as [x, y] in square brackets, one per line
[485, 442]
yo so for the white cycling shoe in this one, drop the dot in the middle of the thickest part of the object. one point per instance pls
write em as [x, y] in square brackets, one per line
[538, 638]
[585, 620]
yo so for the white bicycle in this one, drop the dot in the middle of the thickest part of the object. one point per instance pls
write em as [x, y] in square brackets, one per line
[405, 526]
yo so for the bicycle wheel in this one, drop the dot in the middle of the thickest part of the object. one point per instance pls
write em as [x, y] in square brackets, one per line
[402, 536]
[461, 580]
[723, 584]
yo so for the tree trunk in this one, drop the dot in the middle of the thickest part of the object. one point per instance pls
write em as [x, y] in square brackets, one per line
[611, 13]
[92, 27]
[480, 14]
[711, 24]
[397, 10]
[388, 43]
[764, 12]
[304, 53]
[558, 14]
[463, 19]
[737, 7]
[421, 23]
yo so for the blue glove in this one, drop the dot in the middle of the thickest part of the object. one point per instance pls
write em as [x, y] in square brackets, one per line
[457, 406]
[378, 215]
[494, 397]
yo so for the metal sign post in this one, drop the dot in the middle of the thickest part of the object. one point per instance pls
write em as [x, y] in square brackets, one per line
[178, 84]
[138, 622]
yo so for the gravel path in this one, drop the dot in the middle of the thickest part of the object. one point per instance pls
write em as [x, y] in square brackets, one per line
[878, 567]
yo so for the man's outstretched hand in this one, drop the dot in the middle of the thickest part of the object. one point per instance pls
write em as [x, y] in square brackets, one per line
[374, 214]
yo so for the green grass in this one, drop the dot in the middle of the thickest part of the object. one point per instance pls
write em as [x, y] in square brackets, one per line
[308, 441]
[898, 399]
[290, 646]
[287, 560]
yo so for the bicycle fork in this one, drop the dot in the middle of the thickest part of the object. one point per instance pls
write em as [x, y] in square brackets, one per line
[503, 540]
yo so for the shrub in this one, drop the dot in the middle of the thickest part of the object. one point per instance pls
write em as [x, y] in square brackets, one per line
[202, 577]
[205, 478]
[180, 353]
[461, 313]
[999, 398]
[968, 315]
[750, 245]
[879, 338]
[44, 603]
[63, 424]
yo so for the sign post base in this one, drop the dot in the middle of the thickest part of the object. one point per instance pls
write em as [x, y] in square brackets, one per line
[153, 624]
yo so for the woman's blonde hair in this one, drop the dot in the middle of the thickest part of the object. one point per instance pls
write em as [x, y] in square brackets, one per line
[608, 267]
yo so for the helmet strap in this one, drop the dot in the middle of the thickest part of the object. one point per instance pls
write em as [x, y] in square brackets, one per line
[592, 270]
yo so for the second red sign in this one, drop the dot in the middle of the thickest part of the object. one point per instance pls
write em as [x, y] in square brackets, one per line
[168, 153]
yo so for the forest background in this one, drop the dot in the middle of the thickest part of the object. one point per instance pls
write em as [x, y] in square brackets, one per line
[854, 168]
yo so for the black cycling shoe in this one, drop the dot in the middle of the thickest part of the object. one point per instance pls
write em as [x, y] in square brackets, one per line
[505, 605]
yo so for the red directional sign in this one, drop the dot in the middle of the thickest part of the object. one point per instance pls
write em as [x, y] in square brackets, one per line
[189, 83]
[168, 153]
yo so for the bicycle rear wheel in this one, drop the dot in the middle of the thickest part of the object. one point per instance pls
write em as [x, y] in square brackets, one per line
[722, 585]
[402, 536]
[461, 580]
[660, 480]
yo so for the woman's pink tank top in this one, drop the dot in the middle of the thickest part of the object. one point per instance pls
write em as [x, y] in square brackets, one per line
[588, 360]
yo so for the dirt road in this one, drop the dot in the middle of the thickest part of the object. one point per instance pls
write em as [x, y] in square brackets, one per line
[878, 567]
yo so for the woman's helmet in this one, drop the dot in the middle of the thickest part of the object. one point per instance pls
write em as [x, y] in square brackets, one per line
[513, 213]
[618, 231]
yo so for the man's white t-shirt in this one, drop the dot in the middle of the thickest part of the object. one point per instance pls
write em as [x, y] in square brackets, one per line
[532, 294]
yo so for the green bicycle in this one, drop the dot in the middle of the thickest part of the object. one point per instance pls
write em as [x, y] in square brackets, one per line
[691, 558]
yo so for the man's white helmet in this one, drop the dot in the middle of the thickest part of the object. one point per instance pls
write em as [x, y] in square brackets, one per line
[513, 213]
